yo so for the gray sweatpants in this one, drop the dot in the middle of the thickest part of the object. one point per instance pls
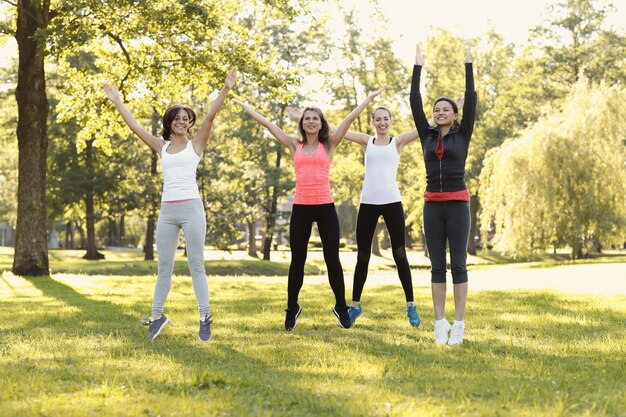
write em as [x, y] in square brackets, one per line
[188, 216]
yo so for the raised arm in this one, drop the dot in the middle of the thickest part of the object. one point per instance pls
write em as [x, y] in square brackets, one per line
[415, 98]
[202, 137]
[153, 142]
[342, 129]
[470, 99]
[405, 138]
[289, 141]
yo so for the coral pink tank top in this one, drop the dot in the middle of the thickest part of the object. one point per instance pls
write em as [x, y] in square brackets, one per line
[312, 184]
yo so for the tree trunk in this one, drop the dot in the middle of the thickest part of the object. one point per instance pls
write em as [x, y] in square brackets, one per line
[122, 232]
[407, 238]
[148, 248]
[31, 243]
[270, 218]
[69, 236]
[251, 238]
[81, 234]
[375, 245]
[112, 238]
[92, 249]
[471, 244]
[426, 254]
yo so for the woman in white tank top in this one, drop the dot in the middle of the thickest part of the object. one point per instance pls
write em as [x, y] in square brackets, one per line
[181, 205]
[380, 196]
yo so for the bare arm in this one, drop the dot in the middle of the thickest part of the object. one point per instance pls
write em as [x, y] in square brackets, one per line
[289, 141]
[405, 138]
[152, 141]
[342, 129]
[202, 137]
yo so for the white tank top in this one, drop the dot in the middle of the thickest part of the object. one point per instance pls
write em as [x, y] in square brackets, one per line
[179, 173]
[381, 167]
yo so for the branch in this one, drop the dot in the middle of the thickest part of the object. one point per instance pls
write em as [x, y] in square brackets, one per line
[119, 41]
[11, 3]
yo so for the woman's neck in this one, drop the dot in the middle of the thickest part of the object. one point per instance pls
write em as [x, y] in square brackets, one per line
[312, 139]
[444, 130]
[179, 139]
[382, 139]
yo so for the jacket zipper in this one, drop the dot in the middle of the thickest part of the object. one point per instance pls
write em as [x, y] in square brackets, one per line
[440, 177]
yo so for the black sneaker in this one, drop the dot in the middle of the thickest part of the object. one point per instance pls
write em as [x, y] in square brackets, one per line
[343, 316]
[156, 326]
[204, 333]
[291, 319]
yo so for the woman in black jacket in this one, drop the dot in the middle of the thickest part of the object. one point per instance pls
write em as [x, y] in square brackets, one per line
[446, 200]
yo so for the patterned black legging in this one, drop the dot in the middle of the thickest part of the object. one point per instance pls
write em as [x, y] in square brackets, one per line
[393, 214]
[302, 218]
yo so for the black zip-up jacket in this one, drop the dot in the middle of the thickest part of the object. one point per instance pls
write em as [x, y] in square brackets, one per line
[446, 174]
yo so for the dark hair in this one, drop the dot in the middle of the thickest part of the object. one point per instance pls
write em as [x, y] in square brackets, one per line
[170, 115]
[324, 134]
[449, 100]
[381, 108]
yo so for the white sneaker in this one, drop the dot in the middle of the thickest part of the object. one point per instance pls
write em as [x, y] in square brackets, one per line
[441, 332]
[456, 334]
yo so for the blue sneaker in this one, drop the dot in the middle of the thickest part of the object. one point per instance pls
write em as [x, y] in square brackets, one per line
[354, 313]
[414, 318]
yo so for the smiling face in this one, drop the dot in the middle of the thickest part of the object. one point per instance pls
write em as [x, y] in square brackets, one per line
[381, 120]
[181, 123]
[443, 113]
[177, 120]
[311, 122]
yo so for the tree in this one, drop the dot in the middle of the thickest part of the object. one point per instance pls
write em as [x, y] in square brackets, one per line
[562, 182]
[190, 28]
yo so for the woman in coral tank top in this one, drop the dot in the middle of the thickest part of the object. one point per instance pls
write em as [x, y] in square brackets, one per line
[312, 154]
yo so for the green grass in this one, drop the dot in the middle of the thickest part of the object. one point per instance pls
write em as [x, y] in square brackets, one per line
[130, 262]
[71, 345]
[237, 263]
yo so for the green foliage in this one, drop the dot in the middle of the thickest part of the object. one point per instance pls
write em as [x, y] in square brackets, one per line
[563, 181]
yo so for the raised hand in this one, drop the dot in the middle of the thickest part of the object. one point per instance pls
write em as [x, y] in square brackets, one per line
[231, 78]
[294, 112]
[373, 94]
[419, 57]
[110, 91]
[468, 55]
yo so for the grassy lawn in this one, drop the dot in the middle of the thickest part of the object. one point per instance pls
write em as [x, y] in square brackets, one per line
[71, 345]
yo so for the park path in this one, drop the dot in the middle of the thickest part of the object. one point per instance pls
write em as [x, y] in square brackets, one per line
[598, 279]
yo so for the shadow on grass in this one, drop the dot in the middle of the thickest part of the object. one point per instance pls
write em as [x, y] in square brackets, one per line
[520, 351]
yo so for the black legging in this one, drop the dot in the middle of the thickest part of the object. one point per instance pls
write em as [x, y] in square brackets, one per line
[447, 221]
[393, 214]
[302, 218]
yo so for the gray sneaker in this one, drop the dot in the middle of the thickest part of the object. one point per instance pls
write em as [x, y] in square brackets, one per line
[156, 326]
[204, 333]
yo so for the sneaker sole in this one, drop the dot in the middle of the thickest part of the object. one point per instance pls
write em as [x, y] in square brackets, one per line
[296, 321]
[204, 341]
[339, 320]
[160, 328]
[354, 321]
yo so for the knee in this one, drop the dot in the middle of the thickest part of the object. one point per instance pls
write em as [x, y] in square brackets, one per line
[363, 257]
[438, 277]
[399, 253]
[459, 277]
